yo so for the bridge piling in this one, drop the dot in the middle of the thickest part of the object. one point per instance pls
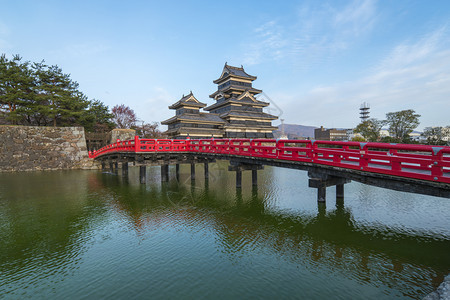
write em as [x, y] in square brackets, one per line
[164, 173]
[238, 179]
[340, 191]
[142, 174]
[239, 167]
[111, 167]
[206, 171]
[103, 165]
[321, 181]
[254, 177]
[177, 172]
[125, 169]
[192, 171]
[322, 194]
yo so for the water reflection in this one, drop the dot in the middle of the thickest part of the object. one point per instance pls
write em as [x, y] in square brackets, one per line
[49, 228]
[330, 239]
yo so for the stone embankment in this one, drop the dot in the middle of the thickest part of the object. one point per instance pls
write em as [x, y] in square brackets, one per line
[442, 292]
[31, 148]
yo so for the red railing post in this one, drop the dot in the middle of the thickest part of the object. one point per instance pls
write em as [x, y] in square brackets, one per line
[436, 166]
[136, 143]
[363, 160]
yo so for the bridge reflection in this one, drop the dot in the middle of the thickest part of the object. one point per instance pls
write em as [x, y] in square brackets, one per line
[332, 240]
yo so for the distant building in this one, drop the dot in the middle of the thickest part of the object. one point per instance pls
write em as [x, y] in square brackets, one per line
[189, 121]
[384, 133]
[332, 134]
[351, 134]
[235, 114]
[364, 111]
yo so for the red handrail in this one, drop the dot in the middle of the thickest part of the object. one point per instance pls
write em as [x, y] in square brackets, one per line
[413, 161]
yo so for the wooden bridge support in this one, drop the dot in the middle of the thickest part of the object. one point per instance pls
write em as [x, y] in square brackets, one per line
[125, 169]
[340, 191]
[103, 165]
[321, 181]
[206, 171]
[164, 173]
[111, 167]
[239, 167]
[254, 177]
[177, 172]
[192, 171]
[142, 174]
[238, 179]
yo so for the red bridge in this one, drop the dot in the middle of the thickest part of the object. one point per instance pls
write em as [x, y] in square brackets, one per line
[415, 168]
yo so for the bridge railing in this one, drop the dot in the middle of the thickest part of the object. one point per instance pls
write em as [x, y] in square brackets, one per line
[414, 161]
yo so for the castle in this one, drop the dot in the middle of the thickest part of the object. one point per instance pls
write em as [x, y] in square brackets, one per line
[236, 112]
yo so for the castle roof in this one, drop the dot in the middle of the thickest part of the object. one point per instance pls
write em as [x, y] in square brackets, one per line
[230, 71]
[239, 100]
[188, 100]
[201, 117]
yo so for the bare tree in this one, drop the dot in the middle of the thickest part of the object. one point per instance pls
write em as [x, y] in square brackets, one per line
[123, 116]
[150, 130]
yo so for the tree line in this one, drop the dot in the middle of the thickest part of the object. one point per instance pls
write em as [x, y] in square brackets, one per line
[400, 125]
[37, 94]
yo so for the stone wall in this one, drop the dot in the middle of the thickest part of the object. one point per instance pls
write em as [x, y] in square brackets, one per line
[30, 148]
[122, 134]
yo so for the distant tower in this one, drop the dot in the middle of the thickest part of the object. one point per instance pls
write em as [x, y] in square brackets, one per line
[364, 111]
[283, 135]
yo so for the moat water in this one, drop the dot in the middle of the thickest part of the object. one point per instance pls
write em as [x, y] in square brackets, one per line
[94, 235]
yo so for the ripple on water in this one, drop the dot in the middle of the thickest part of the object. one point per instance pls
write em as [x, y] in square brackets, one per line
[107, 238]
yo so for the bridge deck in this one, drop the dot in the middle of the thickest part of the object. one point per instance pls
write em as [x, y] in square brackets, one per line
[420, 165]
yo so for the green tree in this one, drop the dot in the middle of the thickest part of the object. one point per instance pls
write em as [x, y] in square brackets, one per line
[42, 95]
[370, 129]
[98, 118]
[402, 123]
[437, 135]
[16, 82]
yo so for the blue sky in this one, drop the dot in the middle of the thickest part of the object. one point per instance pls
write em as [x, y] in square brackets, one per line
[317, 61]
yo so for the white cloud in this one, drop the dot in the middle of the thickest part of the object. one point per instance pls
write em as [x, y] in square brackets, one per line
[357, 18]
[414, 75]
[319, 33]
[155, 106]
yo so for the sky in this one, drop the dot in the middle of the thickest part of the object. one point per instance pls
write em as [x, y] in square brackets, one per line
[316, 61]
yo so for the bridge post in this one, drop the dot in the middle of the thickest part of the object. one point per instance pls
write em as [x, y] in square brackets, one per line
[142, 175]
[177, 171]
[340, 191]
[111, 166]
[254, 177]
[164, 173]
[103, 165]
[321, 181]
[238, 167]
[206, 171]
[192, 171]
[116, 167]
[322, 194]
[124, 168]
[238, 179]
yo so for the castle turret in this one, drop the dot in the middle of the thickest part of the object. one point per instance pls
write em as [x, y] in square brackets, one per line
[189, 121]
[236, 104]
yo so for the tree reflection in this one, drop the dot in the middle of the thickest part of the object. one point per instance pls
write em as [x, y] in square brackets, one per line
[332, 239]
